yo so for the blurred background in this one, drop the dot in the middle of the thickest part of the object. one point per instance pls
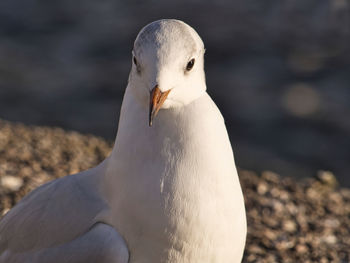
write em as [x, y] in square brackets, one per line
[278, 69]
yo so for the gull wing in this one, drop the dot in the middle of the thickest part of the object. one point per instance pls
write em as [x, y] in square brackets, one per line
[52, 217]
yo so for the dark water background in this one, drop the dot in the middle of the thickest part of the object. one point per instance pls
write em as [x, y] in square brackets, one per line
[278, 69]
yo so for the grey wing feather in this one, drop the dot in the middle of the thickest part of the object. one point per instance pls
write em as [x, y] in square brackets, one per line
[51, 215]
[101, 244]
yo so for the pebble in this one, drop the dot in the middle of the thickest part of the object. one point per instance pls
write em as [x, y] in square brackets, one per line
[289, 226]
[11, 183]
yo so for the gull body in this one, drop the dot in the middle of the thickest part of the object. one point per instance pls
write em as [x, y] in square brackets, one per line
[168, 193]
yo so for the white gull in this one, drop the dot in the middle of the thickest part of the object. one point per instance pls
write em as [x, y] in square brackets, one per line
[169, 191]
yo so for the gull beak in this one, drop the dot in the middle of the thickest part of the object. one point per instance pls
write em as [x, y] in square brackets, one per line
[157, 99]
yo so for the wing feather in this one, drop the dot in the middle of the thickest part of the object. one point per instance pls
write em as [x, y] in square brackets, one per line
[52, 214]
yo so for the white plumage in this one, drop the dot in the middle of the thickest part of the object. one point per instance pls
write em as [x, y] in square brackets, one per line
[167, 193]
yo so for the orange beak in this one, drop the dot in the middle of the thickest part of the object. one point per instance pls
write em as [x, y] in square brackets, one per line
[156, 101]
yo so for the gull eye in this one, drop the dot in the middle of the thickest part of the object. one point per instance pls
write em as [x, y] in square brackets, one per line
[190, 64]
[135, 61]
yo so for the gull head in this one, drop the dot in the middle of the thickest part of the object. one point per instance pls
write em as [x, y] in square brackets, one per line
[167, 66]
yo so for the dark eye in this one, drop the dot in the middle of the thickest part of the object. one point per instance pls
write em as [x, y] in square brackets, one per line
[190, 64]
[135, 61]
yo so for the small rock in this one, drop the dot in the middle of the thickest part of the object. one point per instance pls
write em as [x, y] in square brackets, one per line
[270, 176]
[11, 183]
[4, 212]
[332, 223]
[262, 188]
[327, 178]
[301, 249]
[331, 239]
[254, 249]
[289, 226]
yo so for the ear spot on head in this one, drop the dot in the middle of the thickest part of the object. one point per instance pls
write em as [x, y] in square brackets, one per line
[138, 69]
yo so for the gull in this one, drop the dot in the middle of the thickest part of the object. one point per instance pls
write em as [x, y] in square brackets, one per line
[169, 191]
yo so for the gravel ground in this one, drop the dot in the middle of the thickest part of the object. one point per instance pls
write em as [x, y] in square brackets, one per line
[288, 220]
